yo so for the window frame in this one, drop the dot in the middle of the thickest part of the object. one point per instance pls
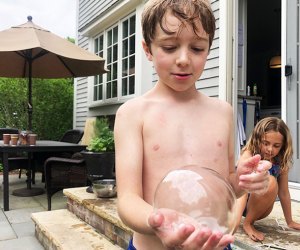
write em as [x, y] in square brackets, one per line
[104, 33]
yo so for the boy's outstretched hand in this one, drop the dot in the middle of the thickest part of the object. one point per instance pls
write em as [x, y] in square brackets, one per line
[253, 174]
[185, 235]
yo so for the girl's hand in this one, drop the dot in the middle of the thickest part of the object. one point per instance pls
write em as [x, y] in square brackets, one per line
[187, 235]
[253, 174]
[294, 225]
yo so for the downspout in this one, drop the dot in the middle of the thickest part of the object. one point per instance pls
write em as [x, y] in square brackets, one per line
[226, 51]
[228, 58]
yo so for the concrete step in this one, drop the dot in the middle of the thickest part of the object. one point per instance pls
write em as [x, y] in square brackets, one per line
[62, 230]
[100, 213]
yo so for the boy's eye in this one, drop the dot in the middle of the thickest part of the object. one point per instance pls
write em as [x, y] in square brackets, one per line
[168, 48]
[197, 49]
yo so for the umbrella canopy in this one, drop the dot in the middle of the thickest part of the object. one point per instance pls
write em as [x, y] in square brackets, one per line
[29, 51]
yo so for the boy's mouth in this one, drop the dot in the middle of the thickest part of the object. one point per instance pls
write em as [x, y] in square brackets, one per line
[182, 75]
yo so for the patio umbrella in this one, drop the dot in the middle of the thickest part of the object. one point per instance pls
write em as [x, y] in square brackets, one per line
[29, 51]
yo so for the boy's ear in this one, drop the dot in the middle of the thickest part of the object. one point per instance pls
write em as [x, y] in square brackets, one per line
[147, 50]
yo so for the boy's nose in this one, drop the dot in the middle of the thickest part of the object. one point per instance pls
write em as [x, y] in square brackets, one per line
[183, 58]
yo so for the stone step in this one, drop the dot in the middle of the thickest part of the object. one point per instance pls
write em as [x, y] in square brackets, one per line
[100, 213]
[62, 230]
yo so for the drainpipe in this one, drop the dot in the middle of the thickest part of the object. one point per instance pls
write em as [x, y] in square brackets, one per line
[226, 62]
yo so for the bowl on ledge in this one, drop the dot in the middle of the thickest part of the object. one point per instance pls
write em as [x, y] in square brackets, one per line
[105, 188]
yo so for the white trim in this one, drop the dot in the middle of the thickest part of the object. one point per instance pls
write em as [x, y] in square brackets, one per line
[121, 9]
[294, 189]
[241, 29]
[283, 59]
[235, 75]
[294, 185]
[223, 56]
[143, 68]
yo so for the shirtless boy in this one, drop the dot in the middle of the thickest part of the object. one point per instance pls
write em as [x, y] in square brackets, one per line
[174, 125]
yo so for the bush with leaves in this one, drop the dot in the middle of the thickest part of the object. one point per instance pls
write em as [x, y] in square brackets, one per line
[103, 139]
[52, 102]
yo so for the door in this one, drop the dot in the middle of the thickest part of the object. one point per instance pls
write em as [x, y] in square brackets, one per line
[290, 75]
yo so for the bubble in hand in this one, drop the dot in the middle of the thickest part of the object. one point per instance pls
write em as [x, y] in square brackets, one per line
[198, 196]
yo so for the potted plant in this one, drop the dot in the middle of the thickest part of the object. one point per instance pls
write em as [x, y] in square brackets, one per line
[100, 154]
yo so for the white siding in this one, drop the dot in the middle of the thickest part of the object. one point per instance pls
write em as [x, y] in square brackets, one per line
[209, 81]
[91, 10]
[81, 98]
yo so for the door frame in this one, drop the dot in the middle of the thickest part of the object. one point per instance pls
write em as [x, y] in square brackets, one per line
[234, 72]
[283, 59]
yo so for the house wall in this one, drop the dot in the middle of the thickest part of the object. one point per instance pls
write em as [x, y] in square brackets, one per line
[93, 18]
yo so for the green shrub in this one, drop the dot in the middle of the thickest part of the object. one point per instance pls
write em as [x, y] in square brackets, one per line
[103, 140]
[52, 102]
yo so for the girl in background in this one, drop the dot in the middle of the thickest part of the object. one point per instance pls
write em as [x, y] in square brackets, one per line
[271, 139]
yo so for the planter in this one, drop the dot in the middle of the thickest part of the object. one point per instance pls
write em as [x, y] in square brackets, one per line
[99, 166]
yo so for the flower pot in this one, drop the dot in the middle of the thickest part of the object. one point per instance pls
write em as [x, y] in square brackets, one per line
[99, 166]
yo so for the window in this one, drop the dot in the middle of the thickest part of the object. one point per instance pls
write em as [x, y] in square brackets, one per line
[117, 46]
[98, 81]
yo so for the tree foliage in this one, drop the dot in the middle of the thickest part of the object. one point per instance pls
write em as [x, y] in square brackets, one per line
[52, 102]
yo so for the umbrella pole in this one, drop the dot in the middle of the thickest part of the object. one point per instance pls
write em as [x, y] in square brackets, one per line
[29, 191]
[30, 95]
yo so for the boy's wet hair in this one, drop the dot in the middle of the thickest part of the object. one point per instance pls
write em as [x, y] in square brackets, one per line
[187, 11]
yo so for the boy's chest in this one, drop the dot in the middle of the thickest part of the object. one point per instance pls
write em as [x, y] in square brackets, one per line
[186, 139]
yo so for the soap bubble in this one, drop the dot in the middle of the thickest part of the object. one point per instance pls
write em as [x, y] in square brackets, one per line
[200, 196]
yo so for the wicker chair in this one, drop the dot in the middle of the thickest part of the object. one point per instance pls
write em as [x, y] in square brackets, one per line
[72, 136]
[15, 161]
[63, 173]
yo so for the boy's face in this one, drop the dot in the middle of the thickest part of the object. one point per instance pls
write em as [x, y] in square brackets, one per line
[178, 58]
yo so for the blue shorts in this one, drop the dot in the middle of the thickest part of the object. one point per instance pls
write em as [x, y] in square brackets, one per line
[131, 247]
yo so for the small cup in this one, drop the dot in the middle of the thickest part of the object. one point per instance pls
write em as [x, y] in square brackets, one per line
[14, 139]
[6, 139]
[32, 139]
[23, 138]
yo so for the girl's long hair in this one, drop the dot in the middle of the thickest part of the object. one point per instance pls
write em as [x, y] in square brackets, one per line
[268, 124]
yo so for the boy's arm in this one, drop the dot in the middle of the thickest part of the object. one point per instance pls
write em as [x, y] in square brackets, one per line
[233, 174]
[133, 210]
[234, 178]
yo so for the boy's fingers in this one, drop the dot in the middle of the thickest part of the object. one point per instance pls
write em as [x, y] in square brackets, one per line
[264, 166]
[216, 241]
[226, 240]
[255, 163]
[155, 220]
[250, 164]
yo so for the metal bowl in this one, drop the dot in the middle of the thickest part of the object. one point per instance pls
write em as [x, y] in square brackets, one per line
[105, 188]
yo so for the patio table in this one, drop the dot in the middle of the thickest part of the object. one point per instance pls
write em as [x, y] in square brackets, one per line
[41, 146]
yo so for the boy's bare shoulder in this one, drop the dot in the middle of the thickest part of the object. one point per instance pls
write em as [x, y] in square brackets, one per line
[218, 104]
[132, 106]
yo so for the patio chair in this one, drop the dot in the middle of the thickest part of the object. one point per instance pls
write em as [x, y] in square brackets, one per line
[71, 136]
[63, 173]
[15, 161]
